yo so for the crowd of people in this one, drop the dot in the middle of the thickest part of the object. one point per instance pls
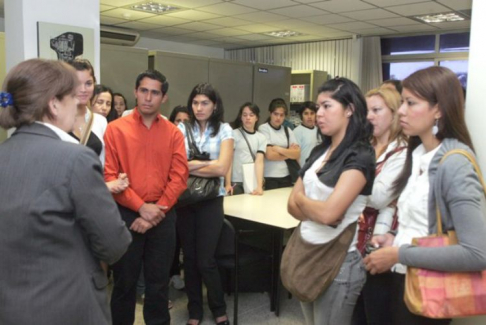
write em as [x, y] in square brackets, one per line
[89, 189]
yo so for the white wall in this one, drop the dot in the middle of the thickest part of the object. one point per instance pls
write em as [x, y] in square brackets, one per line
[21, 17]
[156, 44]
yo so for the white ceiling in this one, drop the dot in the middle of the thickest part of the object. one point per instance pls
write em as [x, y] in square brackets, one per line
[241, 23]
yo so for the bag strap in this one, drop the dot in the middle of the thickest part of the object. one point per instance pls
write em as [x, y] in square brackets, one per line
[287, 135]
[85, 136]
[248, 143]
[471, 158]
[192, 143]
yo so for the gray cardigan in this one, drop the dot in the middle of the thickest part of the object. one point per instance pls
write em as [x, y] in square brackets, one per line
[463, 208]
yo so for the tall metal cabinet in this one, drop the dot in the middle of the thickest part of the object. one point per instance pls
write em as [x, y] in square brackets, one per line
[269, 82]
[120, 67]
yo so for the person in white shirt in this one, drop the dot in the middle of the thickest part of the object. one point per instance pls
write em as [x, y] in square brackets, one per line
[307, 134]
[332, 191]
[280, 147]
[380, 214]
[250, 147]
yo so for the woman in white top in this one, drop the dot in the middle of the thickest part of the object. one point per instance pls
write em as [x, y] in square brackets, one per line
[379, 216]
[94, 141]
[432, 115]
[280, 147]
[307, 134]
[332, 192]
[250, 147]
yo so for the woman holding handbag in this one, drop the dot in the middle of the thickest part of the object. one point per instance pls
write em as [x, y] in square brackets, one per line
[250, 146]
[328, 198]
[209, 147]
[380, 214]
[432, 115]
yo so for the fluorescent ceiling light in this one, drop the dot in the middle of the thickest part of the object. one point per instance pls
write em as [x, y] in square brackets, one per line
[153, 7]
[283, 33]
[440, 18]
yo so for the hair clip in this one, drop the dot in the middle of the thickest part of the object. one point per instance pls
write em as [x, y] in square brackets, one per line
[6, 99]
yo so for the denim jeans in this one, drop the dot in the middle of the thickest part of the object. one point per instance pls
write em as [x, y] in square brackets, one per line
[336, 304]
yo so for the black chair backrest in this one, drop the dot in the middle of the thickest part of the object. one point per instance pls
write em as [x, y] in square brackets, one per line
[226, 244]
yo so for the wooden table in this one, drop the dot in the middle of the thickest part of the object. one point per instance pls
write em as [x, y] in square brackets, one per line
[270, 210]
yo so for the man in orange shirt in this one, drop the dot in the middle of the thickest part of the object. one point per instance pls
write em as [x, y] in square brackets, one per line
[150, 150]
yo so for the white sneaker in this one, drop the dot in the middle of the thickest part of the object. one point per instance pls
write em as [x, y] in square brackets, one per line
[177, 282]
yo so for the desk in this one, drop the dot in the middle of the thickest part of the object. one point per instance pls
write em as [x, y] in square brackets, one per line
[270, 209]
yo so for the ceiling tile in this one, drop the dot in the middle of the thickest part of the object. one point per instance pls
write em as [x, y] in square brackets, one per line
[369, 14]
[152, 34]
[191, 3]
[414, 28]
[193, 15]
[454, 24]
[376, 31]
[181, 39]
[292, 24]
[258, 28]
[298, 11]
[138, 25]
[419, 9]
[328, 19]
[165, 20]
[309, 1]
[111, 21]
[227, 9]
[389, 3]
[199, 26]
[228, 22]
[202, 35]
[104, 8]
[229, 32]
[254, 37]
[127, 14]
[117, 3]
[457, 4]
[390, 22]
[305, 38]
[336, 6]
[265, 4]
[353, 26]
[261, 17]
[231, 40]
[172, 31]
[206, 42]
[318, 30]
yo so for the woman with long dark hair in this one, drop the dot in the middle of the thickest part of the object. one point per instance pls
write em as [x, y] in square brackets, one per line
[200, 223]
[432, 115]
[331, 193]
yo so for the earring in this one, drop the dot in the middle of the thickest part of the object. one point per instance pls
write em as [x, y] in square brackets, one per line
[435, 128]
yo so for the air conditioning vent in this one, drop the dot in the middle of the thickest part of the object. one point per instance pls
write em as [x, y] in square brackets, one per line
[118, 36]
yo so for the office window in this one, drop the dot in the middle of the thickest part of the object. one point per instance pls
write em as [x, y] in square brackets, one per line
[457, 42]
[408, 45]
[401, 70]
[459, 67]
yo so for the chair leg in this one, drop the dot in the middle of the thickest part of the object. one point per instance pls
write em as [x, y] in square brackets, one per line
[235, 308]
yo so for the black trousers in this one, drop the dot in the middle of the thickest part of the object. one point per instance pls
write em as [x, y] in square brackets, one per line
[400, 313]
[199, 228]
[373, 305]
[272, 183]
[155, 250]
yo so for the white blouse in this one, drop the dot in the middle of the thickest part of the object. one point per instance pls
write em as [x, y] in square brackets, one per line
[413, 220]
[318, 233]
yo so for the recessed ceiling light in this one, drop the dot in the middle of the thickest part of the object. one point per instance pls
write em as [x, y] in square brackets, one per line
[440, 18]
[283, 33]
[153, 7]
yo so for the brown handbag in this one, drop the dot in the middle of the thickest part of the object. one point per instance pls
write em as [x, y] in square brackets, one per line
[308, 269]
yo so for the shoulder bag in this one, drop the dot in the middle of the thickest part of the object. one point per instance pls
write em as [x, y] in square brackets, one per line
[439, 294]
[89, 125]
[308, 269]
[292, 164]
[198, 188]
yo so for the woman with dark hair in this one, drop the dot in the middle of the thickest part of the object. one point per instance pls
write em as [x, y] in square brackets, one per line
[380, 214]
[179, 114]
[432, 115]
[281, 145]
[307, 133]
[120, 103]
[331, 193]
[200, 223]
[102, 103]
[250, 146]
[58, 220]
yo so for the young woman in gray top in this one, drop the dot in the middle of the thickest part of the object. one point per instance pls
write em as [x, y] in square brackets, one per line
[432, 114]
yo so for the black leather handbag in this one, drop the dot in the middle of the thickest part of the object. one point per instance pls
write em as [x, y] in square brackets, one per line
[198, 188]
